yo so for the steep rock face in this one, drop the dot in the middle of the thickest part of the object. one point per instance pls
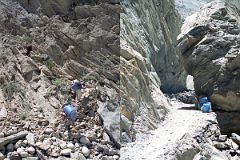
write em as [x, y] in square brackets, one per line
[151, 28]
[143, 105]
[210, 48]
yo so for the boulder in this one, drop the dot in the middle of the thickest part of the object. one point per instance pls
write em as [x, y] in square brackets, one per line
[78, 156]
[66, 152]
[31, 150]
[186, 148]
[210, 54]
[11, 138]
[236, 138]
[85, 140]
[29, 68]
[110, 113]
[211, 153]
[56, 53]
[10, 147]
[14, 156]
[228, 122]
[85, 151]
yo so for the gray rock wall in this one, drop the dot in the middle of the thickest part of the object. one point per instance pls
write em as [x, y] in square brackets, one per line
[143, 104]
[151, 28]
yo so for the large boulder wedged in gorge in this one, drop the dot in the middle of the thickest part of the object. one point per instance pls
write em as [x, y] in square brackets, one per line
[209, 44]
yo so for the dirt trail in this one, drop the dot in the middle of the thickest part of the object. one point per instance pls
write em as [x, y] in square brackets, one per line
[182, 119]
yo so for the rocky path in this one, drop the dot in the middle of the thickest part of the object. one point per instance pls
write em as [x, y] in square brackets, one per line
[182, 119]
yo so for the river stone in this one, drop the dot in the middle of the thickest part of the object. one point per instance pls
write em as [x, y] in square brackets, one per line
[212, 153]
[236, 138]
[23, 154]
[10, 147]
[221, 145]
[84, 140]
[222, 138]
[31, 150]
[66, 152]
[63, 145]
[78, 156]
[48, 131]
[18, 144]
[44, 146]
[19, 150]
[85, 151]
[106, 137]
[30, 138]
[14, 156]
[70, 146]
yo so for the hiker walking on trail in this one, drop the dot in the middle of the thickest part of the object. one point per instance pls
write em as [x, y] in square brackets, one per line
[76, 87]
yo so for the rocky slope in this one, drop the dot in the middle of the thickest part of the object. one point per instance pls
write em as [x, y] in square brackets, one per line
[210, 48]
[83, 43]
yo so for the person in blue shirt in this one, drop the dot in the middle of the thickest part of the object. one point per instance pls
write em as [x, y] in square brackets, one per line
[70, 116]
[76, 87]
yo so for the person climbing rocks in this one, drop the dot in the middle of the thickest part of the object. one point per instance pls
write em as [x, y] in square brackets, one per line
[70, 115]
[76, 87]
[29, 49]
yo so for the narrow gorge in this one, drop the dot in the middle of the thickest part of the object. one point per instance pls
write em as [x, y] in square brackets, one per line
[160, 50]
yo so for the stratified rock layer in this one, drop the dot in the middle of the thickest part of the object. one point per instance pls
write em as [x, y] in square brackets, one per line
[151, 28]
[82, 42]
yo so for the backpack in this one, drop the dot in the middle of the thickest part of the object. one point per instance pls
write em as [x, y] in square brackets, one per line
[76, 86]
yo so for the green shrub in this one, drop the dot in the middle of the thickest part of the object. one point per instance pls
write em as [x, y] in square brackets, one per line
[24, 110]
[89, 78]
[9, 88]
[23, 114]
[50, 64]
[94, 94]
[27, 39]
[60, 85]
